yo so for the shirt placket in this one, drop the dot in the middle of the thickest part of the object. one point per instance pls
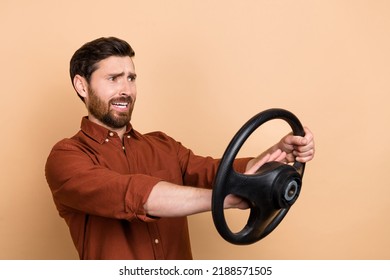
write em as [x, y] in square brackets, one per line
[154, 234]
[156, 241]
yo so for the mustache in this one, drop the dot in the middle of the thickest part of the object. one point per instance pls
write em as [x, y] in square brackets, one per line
[122, 99]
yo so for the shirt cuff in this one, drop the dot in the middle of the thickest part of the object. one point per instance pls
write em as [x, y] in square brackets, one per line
[138, 192]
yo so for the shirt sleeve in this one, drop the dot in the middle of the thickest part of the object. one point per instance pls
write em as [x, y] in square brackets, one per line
[77, 184]
[200, 171]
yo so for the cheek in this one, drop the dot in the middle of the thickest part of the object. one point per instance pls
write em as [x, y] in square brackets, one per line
[105, 92]
[134, 91]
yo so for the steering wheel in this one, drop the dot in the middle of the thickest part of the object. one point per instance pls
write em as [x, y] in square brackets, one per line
[271, 191]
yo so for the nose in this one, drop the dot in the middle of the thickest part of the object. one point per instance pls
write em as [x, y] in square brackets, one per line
[128, 88]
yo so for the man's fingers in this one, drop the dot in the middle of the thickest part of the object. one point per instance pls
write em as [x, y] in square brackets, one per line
[278, 155]
[281, 157]
[257, 165]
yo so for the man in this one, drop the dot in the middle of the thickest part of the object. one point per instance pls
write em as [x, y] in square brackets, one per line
[126, 195]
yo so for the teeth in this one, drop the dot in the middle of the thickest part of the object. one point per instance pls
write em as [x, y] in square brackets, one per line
[120, 104]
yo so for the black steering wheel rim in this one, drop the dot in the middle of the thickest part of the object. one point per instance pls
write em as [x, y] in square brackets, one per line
[263, 219]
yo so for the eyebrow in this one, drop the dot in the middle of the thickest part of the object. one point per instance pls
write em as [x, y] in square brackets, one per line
[116, 75]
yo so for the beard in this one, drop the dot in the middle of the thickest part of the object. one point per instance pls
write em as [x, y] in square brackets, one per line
[101, 110]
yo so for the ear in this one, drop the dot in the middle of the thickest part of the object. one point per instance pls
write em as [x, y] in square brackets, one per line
[81, 85]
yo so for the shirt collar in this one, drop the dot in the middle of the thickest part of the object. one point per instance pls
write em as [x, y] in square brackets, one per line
[98, 132]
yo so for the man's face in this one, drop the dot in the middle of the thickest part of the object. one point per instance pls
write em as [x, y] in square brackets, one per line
[112, 92]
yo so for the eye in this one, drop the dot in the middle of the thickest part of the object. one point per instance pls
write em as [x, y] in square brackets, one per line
[131, 78]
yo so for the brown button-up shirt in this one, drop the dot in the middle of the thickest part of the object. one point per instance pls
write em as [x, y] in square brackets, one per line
[100, 184]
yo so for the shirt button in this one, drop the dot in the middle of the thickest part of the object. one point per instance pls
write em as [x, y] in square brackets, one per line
[106, 140]
[111, 134]
[128, 136]
[156, 241]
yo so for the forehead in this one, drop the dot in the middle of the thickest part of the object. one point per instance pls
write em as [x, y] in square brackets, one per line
[115, 64]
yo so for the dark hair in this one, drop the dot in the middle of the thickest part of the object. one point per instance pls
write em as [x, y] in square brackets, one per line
[84, 60]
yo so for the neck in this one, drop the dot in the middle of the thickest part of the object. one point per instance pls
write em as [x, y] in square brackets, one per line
[119, 131]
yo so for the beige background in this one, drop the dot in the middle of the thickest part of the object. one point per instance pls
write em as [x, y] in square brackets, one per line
[205, 68]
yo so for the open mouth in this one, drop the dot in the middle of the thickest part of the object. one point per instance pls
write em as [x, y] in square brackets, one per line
[120, 105]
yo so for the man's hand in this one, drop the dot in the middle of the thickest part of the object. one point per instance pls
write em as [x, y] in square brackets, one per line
[256, 163]
[289, 149]
[233, 201]
[298, 148]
